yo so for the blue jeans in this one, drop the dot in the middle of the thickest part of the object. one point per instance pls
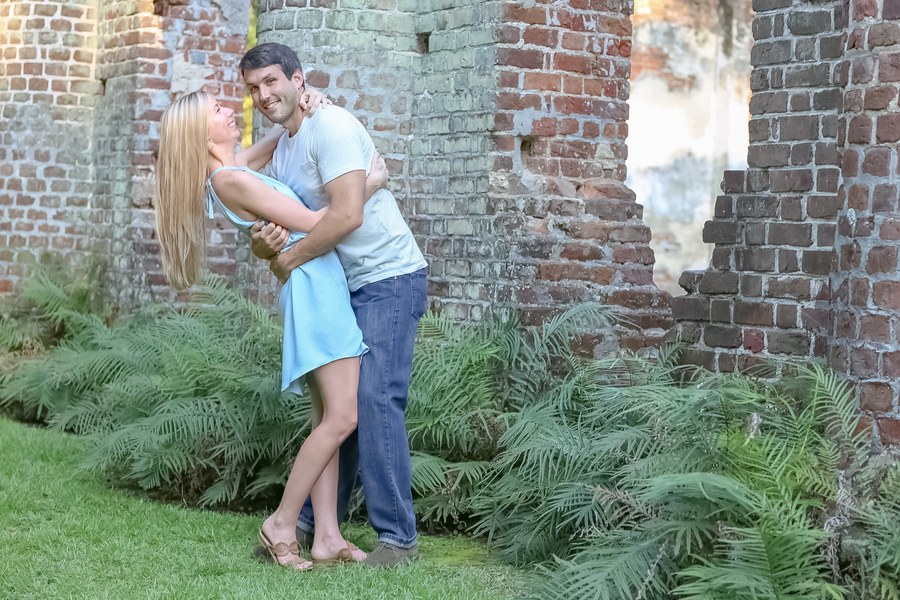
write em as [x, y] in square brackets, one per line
[388, 313]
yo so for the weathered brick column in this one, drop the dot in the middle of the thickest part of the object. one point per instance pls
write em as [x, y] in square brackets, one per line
[866, 284]
[767, 291]
[82, 88]
[560, 156]
[150, 53]
[47, 92]
[505, 128]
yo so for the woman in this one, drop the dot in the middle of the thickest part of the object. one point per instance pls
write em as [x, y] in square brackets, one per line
[197, 169]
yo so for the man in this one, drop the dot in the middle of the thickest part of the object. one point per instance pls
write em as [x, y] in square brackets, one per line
[325, 160]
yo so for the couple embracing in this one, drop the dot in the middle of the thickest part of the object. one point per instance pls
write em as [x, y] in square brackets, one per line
[352, 295]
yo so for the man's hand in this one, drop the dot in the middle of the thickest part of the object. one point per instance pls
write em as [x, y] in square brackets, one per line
[279, 268]
[267, 240]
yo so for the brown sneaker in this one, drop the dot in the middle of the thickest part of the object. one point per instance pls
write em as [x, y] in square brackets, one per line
[389, 556]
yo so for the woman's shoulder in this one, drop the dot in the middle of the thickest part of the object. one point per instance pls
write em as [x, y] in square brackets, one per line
[232, 180]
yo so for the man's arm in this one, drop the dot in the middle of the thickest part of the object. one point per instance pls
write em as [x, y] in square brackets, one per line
[267, 239]
[347, 194]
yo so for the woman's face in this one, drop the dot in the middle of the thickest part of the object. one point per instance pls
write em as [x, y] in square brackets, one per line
[221, 124]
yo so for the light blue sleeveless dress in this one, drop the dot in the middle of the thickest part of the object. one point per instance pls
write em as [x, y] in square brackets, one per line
[314, 305]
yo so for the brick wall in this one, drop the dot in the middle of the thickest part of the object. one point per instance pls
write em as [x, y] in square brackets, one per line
[866, 290]
[561, 126]
[151, 53]
[82, 87]
[805, 263]
[504, 128]
[362, 56]
[767, 291]
[47, 91]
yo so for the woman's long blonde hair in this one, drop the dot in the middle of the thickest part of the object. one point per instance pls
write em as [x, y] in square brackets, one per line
[181, 189]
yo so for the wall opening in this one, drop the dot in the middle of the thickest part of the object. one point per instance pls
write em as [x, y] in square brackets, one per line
[690, 91]
[422, 41]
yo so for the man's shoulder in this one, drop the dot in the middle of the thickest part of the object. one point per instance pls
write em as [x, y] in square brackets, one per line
[335, 120]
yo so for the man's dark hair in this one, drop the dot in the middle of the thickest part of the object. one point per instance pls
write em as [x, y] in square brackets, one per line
[266, 55]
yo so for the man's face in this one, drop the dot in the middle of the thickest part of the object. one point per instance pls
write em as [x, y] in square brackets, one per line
[274, 95]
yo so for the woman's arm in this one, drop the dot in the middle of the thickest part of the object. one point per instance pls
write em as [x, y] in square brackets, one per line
[259, 154]
[268, 239]
[251, 199]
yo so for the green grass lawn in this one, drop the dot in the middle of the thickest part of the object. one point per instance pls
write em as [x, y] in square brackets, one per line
[66, 534]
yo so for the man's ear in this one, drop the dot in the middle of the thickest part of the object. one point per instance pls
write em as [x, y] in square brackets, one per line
[297, 78]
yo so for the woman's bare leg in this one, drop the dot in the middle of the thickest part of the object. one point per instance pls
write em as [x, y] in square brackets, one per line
[337, 384]
[328, 540]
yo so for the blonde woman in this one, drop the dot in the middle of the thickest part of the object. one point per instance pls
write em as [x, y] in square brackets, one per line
[198, 170]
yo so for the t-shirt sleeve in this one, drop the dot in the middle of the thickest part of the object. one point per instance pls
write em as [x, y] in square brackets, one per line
[341, 148]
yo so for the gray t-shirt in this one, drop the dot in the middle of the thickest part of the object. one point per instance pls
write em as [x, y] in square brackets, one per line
[329, 144]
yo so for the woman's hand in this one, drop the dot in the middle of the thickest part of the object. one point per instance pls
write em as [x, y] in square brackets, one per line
[378, 175]
[311, 100]
[267, 239]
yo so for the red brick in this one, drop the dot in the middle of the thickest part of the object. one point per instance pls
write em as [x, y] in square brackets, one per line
[568, 105]
[889, 431]
[875, 397]
[886, 294]
[526, 59]
[754, 340]
[563, 271]
[877, 162]
[888, 128]
[572, 63]
[863, 362]
[573, 41]
[882, 259]
[515, 12]
[573, 85]
[516, 101]
[542, 81]
[545, 127]
[860, 130]
[585, 252]
[889, 67]
[599, 230]
[540, 36]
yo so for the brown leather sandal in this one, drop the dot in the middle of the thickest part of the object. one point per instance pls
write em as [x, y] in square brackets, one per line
[344, 555]
[281, 549]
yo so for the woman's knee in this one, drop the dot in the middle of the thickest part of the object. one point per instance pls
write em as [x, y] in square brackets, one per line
[341, 425]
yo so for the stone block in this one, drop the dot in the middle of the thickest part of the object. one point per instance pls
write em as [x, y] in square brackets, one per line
[721, 232]
[718, 336]
[794, 343]
[753, 313]
[714, 282]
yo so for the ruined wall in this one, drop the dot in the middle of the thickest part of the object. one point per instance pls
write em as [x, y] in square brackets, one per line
[47, 93]
[690, 90]
[505, 126]
[767, 290]
[864, 279]
[151, 53]
[805, 263]
[82, 87]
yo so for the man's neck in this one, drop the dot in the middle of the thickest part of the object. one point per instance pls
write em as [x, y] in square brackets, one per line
[293, 123]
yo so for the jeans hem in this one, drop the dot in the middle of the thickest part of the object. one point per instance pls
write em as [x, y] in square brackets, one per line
[306, 526]
[394, 541]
